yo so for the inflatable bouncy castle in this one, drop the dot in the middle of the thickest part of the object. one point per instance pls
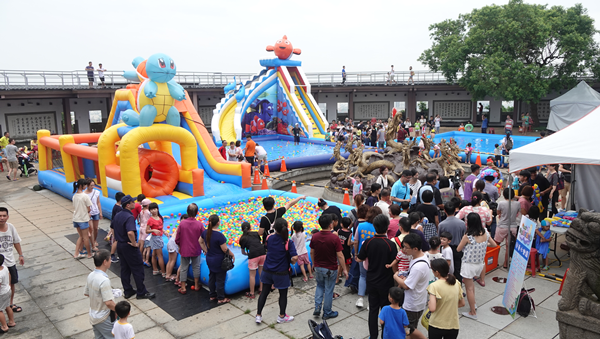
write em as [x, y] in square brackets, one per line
[154, 143]
[272, 102]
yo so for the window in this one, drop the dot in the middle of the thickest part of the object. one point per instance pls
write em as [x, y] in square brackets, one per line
[400, 106]
[323, 107]
[95, 116]
[72, 118]
[508, 106]
[342, 107]
[423, 108]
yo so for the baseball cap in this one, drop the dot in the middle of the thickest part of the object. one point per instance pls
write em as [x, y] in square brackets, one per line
[126, 200]
[146, 202]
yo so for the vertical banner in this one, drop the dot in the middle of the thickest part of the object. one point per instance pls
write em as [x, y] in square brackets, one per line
[518, 265]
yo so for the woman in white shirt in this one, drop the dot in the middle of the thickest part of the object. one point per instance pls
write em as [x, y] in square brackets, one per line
[414, 184]
[232, 152]
[382, 179]
[95, 212]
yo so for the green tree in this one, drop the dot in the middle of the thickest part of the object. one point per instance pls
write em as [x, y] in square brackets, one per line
[515, 51]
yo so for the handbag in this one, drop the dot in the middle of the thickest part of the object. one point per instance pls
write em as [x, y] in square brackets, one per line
[227, 262]
[425, 319]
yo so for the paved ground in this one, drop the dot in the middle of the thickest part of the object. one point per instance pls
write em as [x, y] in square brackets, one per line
[51, 291]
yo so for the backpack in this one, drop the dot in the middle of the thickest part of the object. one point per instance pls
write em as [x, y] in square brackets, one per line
[272, 224]
[525, 302]
[561, 182]
[509, 143]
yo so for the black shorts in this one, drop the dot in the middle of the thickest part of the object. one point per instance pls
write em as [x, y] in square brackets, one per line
[498, 158]
[413, 319]
[296, 138]
[14, 275]
[250, 160]
[101, 79]
[91, 79]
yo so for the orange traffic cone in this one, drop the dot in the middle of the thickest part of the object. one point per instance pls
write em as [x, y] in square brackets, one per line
[294, 190]
[346, 197]
[283, 168]
[266, 172]
[264, 186]
[256, 177]
[478, 160]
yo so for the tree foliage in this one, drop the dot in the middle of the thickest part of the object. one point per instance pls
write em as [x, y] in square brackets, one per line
[515, 51]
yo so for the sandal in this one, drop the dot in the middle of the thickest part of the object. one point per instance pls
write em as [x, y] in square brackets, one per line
[311, 277]
[178, 283]
[304, 279]
[213, 299]
[224, 301]
[250, 295]
[147, 264]
[481, 283]
[181, 291]
[335, 296]
[16, 308]
[155, 272]
[11, 325]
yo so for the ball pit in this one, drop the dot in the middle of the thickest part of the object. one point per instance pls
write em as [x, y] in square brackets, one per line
[233, 210]
[251, 210]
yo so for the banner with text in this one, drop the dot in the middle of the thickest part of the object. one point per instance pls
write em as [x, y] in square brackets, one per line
[518, 265]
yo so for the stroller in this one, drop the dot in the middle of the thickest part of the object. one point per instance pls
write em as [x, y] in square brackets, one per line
[25, 166]
[321, 331]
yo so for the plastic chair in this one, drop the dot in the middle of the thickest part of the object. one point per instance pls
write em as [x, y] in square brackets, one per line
[534, 262]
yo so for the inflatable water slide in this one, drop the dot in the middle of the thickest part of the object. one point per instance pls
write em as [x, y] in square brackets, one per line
[272, 102]
[154, 143]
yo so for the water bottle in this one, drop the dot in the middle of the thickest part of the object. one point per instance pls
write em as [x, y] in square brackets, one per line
[425, 220]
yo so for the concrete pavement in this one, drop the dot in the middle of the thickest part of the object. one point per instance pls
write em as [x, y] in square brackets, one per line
[51, 290]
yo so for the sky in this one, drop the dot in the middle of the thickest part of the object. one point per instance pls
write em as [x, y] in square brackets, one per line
[228, 36]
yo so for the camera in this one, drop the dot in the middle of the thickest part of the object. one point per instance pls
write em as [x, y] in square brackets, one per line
[456, 179]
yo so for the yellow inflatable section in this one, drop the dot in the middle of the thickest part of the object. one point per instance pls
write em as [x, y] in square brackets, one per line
[226, 127]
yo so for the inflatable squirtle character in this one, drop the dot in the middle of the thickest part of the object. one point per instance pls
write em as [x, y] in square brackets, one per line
[283, 49]
[157, 93]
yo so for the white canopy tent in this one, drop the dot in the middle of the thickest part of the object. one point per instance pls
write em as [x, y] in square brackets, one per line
[572, 106]
[575, 144]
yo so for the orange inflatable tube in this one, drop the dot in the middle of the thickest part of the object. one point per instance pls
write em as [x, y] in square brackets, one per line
[165, 173]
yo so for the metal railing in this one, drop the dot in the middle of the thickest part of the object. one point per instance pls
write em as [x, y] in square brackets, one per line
[28, 80]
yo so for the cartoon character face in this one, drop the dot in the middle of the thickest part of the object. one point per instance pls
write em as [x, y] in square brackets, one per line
[160, 68]
[283, 49]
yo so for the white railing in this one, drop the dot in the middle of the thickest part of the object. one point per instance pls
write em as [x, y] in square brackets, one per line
[16, 79]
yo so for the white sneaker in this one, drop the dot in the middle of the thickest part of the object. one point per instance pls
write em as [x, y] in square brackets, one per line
[259, 319]
[466, 314]
[285, 319]
[359, 302]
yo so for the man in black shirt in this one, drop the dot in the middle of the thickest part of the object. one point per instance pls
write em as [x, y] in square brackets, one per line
[267, 221]
[296, 130]
[381, 252]
[544, 187]
[127, 248]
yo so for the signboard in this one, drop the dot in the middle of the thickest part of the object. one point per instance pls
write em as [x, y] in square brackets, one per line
[25, 125]
[518, 265]
[206, 113]
[369, 110]
[453, 110]
[543, 110]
